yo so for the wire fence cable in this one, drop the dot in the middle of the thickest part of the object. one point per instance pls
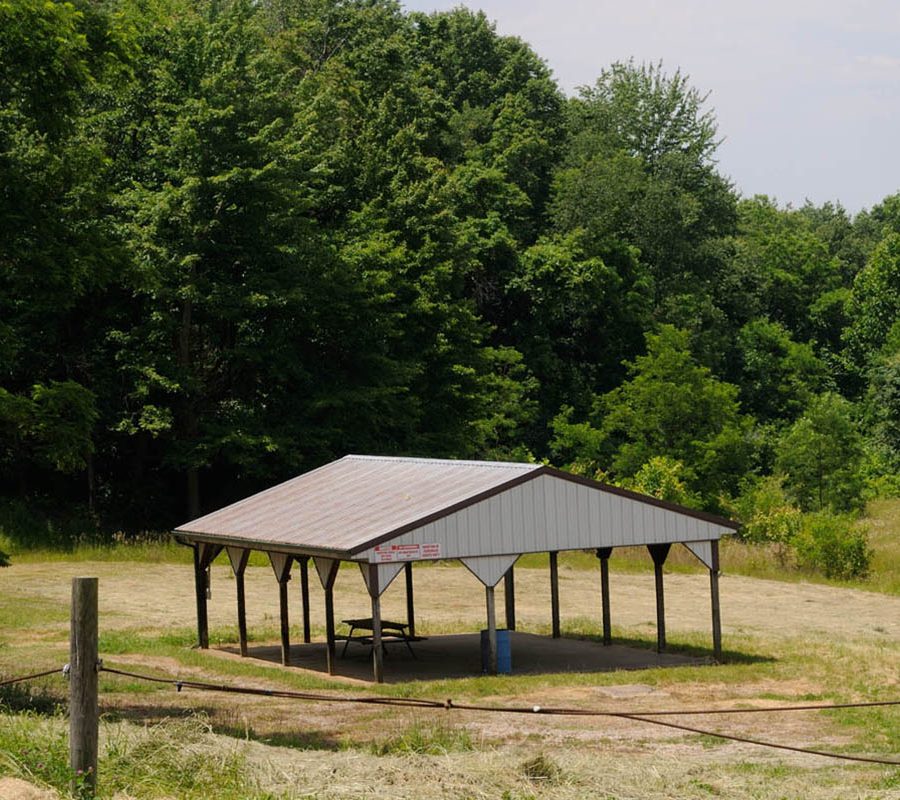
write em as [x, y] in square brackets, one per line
[34, 676]
[647, 717]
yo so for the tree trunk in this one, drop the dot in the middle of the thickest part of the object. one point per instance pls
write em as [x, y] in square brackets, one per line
[191, 423]
[90, 482]
[193, 492]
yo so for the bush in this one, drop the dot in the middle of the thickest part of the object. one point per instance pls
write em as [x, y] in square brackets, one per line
[880, 473]
[832, 544]
[664, 478]
[822, 542]
[27, 525]
[768, 516]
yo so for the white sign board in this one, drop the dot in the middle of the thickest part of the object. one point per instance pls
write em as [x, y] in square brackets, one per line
[406, 552]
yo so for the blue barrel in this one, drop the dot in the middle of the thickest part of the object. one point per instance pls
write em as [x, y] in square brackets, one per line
[504, 652]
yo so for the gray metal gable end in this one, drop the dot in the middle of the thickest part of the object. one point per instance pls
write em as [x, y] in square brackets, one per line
[496, 521]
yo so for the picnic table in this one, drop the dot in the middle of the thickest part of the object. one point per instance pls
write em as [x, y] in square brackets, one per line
[390, 632]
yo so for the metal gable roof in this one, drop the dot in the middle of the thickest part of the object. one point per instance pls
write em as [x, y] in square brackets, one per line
[344, 506]
[352, 504]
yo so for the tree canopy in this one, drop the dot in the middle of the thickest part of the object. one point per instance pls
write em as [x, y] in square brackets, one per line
[240, 239]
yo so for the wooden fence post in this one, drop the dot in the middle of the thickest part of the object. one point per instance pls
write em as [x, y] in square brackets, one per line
[84, 712]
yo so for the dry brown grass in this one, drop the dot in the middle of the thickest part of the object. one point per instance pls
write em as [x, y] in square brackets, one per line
[787, 641]
[814, 641]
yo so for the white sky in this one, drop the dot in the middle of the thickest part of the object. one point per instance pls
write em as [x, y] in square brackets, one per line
[806, 92]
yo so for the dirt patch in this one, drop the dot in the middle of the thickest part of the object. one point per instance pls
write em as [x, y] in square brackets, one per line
[16, 789]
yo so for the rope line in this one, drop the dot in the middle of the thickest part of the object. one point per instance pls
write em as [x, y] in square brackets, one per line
[33, 676]
[286, 693]
[647, 717]
[641, 716]
[587, 712]
[747, 740]
[409, 702]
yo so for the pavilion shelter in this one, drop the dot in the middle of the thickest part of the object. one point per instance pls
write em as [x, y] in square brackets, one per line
[386, 513]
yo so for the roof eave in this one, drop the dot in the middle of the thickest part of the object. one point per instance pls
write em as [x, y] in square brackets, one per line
[186, 537]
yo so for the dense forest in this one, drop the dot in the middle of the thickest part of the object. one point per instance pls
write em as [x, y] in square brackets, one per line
[240, 238]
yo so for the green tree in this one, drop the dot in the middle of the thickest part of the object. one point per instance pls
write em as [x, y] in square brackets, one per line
[642, 111]
[251, 330]
[777, 376]
[871, 226]
[53, 425]
[831, 223]
[505, 111]
[821, 455]
[573, 317]
[767, 514]
[640, 168]
[781, 268]
[883, 404]
[669, 406]
[874, 305]
[56, 249]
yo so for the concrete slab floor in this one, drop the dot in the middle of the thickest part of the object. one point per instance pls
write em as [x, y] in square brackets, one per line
[459, 656]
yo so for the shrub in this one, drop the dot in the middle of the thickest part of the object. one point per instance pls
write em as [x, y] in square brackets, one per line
[832, 544]
[664, 478]
[822, 541]
[768, 516]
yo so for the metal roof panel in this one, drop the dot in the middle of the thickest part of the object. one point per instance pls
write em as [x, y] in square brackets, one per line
[345, 505]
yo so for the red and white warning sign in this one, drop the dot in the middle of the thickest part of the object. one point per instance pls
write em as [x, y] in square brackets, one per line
[406, 552]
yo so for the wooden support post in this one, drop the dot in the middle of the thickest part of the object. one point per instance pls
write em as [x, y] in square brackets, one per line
[241, 612]
[603, 553]
[554, 592]
[285, 623]
[509, 593]
[329, 630]
[204, 555]
[714, 596]
[410, 605]
[239, 557]
[200, 589]
[329, 617]
[492, 629]
[304, 596]
[659, 553]
[281, 565]
[377, 646]
[84, 712]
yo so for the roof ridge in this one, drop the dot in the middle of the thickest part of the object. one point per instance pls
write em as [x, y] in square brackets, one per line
[523, 465]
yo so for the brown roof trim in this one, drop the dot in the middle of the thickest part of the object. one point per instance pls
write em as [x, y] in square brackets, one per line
[715, 519]
[531, 475]
[188, 537]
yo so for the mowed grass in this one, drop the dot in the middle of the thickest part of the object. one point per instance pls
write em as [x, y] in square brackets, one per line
[157, 742]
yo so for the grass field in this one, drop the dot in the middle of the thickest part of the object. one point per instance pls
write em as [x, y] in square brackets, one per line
[786, 640]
